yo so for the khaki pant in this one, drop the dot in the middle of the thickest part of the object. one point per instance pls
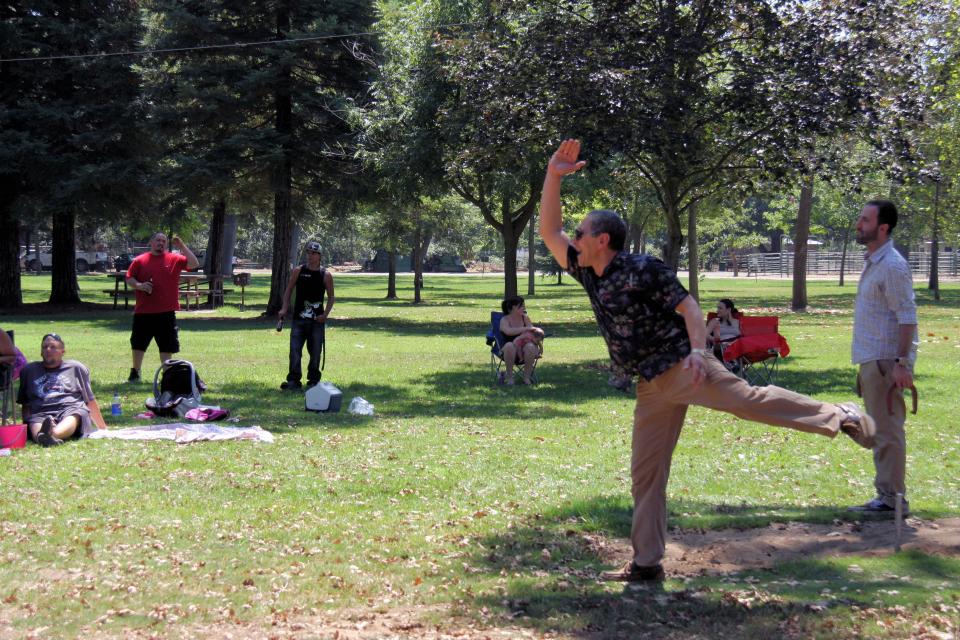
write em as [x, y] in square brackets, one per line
[890, 450]
[658, 417]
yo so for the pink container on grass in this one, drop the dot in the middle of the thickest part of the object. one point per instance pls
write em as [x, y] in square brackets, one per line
[13, 436]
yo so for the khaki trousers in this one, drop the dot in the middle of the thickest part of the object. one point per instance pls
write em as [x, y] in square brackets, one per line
[661, 407]
[890, 450]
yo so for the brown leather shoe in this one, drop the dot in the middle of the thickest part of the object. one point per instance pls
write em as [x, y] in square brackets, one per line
[630, 572]
[858, 425]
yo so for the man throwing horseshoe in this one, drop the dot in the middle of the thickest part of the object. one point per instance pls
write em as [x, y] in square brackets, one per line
[654, 330]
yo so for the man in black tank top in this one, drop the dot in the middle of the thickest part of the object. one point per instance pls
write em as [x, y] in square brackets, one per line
[309, 316]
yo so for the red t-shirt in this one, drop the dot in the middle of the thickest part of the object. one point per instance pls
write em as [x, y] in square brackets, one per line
[164, 272]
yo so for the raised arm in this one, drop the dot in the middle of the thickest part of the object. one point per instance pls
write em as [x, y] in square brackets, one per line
[563, 162]
[192, 262]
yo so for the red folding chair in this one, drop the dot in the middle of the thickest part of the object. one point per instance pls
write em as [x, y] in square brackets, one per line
[756, 354]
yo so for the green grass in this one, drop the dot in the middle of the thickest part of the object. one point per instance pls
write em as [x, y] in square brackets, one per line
[451, 493]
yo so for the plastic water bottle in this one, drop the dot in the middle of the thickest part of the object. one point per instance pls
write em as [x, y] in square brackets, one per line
[115, 404]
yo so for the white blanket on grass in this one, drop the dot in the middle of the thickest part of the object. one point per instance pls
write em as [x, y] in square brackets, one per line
[185, 433]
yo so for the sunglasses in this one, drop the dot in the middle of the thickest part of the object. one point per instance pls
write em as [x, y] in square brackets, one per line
[578, 233]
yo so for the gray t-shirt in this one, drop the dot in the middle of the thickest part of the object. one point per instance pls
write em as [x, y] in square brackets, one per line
[53, 391]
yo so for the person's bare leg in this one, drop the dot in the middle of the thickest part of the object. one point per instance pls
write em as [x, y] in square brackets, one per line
[66, 428]
[530, 353]
[138, 359]
[164, 357]
[509, 357]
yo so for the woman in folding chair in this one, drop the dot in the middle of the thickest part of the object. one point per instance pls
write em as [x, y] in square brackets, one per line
[524, 341]
[723, 329]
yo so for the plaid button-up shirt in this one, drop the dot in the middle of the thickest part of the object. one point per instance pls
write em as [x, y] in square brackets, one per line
[885, 301]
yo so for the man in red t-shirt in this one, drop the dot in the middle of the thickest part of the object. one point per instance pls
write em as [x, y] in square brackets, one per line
[155, 276]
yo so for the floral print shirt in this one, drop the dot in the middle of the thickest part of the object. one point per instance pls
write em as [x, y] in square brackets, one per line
[634, 301]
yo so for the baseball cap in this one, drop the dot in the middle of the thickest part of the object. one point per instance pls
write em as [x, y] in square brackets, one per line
[313, 245]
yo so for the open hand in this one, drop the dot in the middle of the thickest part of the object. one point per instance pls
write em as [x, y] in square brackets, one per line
[564, 160]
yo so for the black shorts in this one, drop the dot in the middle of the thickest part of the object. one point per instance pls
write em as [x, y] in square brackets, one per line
[161, 327]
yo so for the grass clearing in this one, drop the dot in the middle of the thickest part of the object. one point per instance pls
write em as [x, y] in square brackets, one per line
[468, 505]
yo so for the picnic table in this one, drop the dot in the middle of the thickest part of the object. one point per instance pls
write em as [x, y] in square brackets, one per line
[190, 290]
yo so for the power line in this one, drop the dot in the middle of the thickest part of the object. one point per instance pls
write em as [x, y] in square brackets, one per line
[229, 45]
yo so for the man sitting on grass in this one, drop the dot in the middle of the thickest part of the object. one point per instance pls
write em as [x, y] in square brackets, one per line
[56, 397]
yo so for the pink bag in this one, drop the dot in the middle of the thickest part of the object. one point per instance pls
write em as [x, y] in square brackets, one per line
[206, 414]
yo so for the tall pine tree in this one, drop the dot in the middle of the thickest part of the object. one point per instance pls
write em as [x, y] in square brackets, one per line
[249, 121]
[68, 126]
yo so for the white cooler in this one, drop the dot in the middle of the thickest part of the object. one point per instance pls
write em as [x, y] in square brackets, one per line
[323, 397]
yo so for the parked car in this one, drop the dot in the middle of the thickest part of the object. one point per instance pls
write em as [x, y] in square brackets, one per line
[85, 260]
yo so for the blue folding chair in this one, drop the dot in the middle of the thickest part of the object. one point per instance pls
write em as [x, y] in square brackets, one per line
[496, 340]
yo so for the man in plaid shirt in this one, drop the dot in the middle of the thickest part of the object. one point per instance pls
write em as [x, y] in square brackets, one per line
[885, 348]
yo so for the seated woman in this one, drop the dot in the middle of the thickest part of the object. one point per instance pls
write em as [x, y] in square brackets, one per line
[523, 339]
[724, 328]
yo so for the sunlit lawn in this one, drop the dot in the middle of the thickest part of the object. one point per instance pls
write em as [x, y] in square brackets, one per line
[451, 494]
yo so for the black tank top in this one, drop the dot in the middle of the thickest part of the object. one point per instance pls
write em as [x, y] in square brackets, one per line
[310, 289]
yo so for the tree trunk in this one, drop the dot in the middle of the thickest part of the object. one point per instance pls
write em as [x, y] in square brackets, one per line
[416, 260]
[64, 288]
[282, 177]
[421, 244]
[637, 239]
[511, 230]
[934, 283]
[391, 275]
[229, 244]
[282, 241]
[531, 257]
[213, 259]
[674, 241]
[36, 251]
[736, 263]
[799, 302]
[510, 242]
[843, 254]
[11, 294]
[693, 282]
